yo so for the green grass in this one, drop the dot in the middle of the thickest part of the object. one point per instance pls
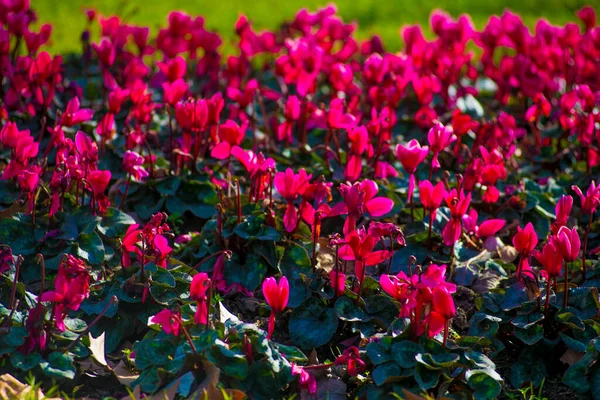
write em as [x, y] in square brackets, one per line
[382, 17]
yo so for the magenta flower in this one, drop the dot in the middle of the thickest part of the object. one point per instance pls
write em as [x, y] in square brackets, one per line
[568, 243]
[169, 321]
[525, 240]
[431, 196]
[439, 137]
[230, 134]
[359, 197]
[590, 200]
[410, 157]
[174, 91]
[562, 211]
[74, 115]
[306, 380]
[277, 295]
[198, 292]
[360, 247]
[289, 186]
[132, 163]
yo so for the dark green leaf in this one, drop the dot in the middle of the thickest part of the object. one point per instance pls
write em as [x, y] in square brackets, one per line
[312, 324]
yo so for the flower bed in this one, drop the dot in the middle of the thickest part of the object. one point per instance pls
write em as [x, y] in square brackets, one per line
[312, 216]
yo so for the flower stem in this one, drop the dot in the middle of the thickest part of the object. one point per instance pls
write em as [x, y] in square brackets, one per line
[187, 336]
[13, 292]
[94, 322]
[566, 289]
[547, 306]
[126, 191]
[585, 242]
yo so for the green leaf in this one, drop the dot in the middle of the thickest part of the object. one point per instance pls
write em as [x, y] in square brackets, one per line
[531, 335]
[443, 360]
[528, 368]
[76, 223]
[115, 223]
[384, 372]
[249, 275]
[59, 365]
[484, 325]
[18, 235]
[484, 386]
[25, 362]
[312, 324]
[90, 248]
[524, 321]
[378, 353]
[199, 198]
[15, 337]
[426, 378]
[514, 296]
[404, 353]
[348, 311]
[232, 363]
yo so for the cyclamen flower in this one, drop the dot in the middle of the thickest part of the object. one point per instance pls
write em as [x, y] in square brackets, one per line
[525, 240]
[568, 243]
[74, 115]
[360, 247]
[289, 186]
[306, 380]
[169, 321]
[230, 135]
[276, 295]
[198, 292]
[562, 211]
[550, 258]
[410, 157]
[431, 196]
[359, 197]
[591, 199]
[132, 163]
[439, 137]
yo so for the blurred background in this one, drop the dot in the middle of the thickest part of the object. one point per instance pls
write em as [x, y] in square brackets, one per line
[382, 17]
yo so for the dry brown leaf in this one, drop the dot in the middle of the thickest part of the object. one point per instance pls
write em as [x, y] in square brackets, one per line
[508, 254]
[208, 389]
[571, 356]
[136, 394]
[97, 348]
[124, 375]
[12, 388]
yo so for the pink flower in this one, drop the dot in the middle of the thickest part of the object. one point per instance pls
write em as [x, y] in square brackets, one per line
[306, 380]
[562, 211]
[289, 186]
[169, 321]
[173, 69]
[410, 157]
[591, 199]
[174, 91]
[276, 295]
[359, 197]
[132, 163]
[230, 134]
[73, 115]
[439, 137]
[338, 281]
[568, 243]
[99, 180]
[360, 247]
[198, 289]
[431, 196]
[550, 258]
[525, 240]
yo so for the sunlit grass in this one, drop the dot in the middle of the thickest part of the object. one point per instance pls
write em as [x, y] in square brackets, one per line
[385, 18]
